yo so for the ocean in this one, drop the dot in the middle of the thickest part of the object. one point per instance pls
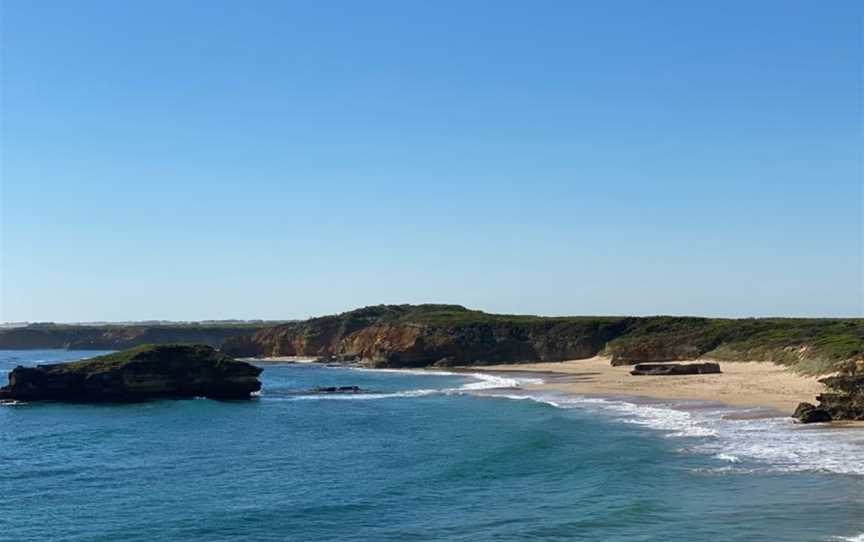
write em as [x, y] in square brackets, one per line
[461, 457]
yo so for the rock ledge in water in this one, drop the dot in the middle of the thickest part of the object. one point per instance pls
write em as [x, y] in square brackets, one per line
[671, 369]
[145, 372]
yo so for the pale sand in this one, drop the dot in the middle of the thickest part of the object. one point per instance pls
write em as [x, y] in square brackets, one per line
[740, 383]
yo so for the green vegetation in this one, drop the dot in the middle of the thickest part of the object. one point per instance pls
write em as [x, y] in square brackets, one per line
[146, 352]
[808, 345]
[453, 332]
[457, 315]
[112, 360]
[113, 326]
[121, 336]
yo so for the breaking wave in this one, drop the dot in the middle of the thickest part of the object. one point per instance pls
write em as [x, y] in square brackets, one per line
[774, 443]
[480, 382]
[734, 436]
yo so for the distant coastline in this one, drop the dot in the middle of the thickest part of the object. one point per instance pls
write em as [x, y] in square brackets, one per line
[120, 336]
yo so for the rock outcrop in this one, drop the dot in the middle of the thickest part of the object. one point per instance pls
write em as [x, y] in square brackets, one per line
[424, 335]
[844, 401]
[809, 413]
[146, 372]
[667, 369]
[447, 335]
[338, 390]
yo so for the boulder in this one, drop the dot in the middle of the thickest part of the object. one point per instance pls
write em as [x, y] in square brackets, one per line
[671, 369]
[145, 372]
[808, 413]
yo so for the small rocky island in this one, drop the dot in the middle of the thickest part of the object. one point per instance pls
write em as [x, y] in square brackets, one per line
[141, 373]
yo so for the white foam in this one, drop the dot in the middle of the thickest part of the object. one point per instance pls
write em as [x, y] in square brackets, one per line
[362, 396]
[775, 443]
[859, 538]
[482, 381]
[728, 457]
[772, 443]
[489, 382]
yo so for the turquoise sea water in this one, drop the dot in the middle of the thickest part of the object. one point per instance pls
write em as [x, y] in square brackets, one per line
[441, 457]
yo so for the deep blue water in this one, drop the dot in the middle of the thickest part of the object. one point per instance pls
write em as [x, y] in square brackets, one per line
[465, 464]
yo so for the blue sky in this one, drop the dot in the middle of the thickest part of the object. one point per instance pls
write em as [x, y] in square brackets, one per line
[207, 159]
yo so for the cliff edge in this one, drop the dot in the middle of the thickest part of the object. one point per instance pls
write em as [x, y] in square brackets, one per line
[443, 335]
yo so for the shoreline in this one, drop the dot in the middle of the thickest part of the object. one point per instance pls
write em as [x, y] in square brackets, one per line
[740, 384]
[772, 389]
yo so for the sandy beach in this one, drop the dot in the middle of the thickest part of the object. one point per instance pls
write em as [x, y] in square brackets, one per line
[740, 383]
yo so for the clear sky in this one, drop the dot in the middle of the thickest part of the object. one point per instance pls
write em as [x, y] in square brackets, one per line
[277, 159]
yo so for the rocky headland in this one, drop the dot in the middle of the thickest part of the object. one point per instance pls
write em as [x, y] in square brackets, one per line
[450, 335]
[142, 373]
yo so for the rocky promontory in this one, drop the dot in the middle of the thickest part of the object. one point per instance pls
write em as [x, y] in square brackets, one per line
[138, 374]
[447, 335]
[432, 335]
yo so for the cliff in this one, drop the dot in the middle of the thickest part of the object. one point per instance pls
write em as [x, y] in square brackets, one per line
[118, 337]
[145, 372]
[441, 335]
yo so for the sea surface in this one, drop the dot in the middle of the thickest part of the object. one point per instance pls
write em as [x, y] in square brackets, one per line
[426, 457]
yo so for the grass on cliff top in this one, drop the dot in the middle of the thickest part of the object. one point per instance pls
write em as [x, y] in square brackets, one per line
[812, 345]
[808, 345]
[457, 315]
[145, 351]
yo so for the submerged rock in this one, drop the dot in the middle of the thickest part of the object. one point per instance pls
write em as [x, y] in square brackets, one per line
[338, 389]
[145, 372]
[668, 369]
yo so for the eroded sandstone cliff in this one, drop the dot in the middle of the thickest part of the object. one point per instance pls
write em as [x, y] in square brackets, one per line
[423, 335]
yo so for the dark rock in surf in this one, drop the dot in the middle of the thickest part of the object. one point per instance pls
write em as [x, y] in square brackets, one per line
[338, 389]
[808, 413]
